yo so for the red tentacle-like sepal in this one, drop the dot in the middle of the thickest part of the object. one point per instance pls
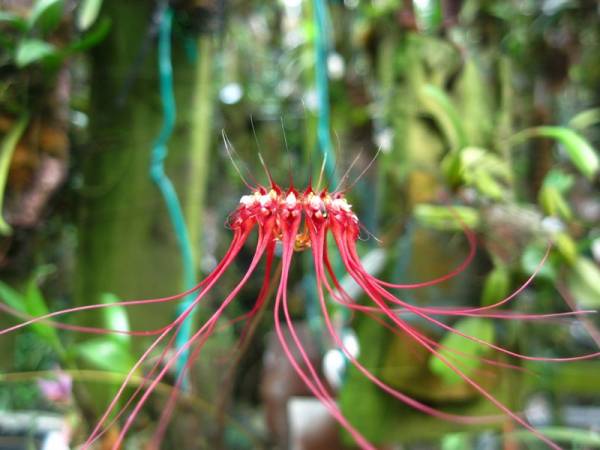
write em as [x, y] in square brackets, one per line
[297, 220]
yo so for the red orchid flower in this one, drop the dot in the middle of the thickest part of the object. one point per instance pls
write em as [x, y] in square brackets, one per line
[300, 220]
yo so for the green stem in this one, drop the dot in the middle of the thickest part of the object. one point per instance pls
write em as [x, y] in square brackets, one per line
[562, 434]
[202, 108]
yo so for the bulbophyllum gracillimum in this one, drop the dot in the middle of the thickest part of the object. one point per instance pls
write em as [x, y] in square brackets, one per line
[304, 220]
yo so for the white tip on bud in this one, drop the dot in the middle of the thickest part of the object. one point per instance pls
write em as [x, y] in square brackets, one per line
[265, 200]
[316, 203]
[290, 201]
[341, 205]
[247, 200]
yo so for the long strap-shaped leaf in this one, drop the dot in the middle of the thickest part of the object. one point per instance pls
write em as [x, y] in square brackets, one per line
[579, 150]
[7, 148]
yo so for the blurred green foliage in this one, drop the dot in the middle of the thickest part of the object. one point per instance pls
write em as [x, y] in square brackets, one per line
[29, 40]
[485, 114]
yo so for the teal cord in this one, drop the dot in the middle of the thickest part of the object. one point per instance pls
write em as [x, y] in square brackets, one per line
[322, 82]
[324, 141]
[322, 27]
[157, 173]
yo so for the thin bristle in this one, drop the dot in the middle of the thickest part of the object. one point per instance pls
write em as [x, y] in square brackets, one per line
[345, 176]
[230, 151]
[365, 170]
[321, 173]
[254, 133]
[289, 156]
[266, 169]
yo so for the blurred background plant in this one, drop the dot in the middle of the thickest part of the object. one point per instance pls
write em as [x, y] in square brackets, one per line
[488, 107]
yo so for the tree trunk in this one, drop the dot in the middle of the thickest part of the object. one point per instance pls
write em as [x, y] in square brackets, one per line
[126, 242]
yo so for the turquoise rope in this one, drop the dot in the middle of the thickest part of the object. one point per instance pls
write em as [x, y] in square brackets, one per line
[325, 144]
[157, 173]
[323, 141]
[322, 82]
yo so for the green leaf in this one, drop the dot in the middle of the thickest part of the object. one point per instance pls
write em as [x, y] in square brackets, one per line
[46, 15]
[572, 437]
[488, 186]
[530, 260]
[7, 148]
[111, 352]
[475, 104]
[446, 218]
[439, 104]
[87, 13]
[553, 203]
[470, 350]
[479, 168]
[13, 20]
[32, 303]
[30, 51]
[584, 283]
[582, 154]
[456, 441]
[452, 168]
[585, 119]
[11, 297]
[566, 246]
[106, 354]
[382, 419]
[35, 305]
[579, 150]
[428, 14]
[496, 285]
[91, 38]
[559, 180]
[551, 196]
[116, 318]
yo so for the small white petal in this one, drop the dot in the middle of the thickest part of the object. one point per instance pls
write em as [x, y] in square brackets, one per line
[265, 200]
[247, 200]
[316, 203]
[290, 200]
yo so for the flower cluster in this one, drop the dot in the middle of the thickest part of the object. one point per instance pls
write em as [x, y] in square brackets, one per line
[300, 220]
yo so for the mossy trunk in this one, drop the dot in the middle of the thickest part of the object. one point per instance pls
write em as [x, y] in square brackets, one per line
[126, 242]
